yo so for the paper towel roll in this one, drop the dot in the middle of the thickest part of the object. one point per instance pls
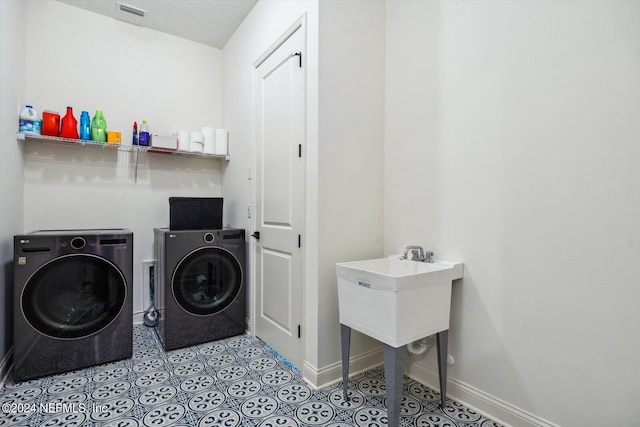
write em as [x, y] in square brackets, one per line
[183, 140]
[222, 142]
[209, 134]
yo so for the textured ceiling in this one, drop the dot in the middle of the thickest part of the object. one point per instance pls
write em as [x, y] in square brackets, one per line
[211, 22]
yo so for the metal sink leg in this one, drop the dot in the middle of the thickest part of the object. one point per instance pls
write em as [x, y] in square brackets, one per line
[345, 338]
[442, 341]
[394, 361]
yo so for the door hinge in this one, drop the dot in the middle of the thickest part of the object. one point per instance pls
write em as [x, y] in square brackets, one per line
[299, 150]
[299, 241]
[299, 331]
[299, 55]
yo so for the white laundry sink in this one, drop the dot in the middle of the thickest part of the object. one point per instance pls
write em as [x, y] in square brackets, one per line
[396, 301]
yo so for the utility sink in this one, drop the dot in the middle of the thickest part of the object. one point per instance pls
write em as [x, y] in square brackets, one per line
[396, 301]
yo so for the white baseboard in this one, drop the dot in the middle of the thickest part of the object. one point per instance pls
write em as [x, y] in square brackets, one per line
[5, 366]
[478, 400]
[138, 317]
[331, 374]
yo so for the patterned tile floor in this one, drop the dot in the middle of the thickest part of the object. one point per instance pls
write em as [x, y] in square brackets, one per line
[237, 381]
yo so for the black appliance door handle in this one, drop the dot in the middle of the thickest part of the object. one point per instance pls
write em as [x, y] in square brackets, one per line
[256, 234]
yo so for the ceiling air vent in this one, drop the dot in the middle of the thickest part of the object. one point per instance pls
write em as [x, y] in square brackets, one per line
[131, 9]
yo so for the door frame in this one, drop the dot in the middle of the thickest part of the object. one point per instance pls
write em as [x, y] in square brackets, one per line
[299, 25]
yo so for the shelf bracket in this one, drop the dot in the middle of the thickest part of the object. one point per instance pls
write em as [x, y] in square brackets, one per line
[135, 174]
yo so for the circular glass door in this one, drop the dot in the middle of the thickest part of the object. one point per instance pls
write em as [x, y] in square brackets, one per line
[74, 296]
[206, 281]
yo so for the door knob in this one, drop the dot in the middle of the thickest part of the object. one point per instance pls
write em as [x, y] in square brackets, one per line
[256, 234]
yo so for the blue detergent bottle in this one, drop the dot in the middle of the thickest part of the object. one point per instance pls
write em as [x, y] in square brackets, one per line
[85, 126]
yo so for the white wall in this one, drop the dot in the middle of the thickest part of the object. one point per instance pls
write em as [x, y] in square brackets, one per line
[87, 61]
[350, 156]
[11, 199]
[512, 145]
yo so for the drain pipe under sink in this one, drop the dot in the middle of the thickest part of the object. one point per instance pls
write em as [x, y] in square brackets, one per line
[419, 346]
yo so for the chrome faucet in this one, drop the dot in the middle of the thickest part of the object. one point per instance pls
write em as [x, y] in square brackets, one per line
[418, 254]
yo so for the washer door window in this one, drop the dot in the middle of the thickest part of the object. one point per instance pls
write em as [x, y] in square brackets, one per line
[206, 281]
[74, 296]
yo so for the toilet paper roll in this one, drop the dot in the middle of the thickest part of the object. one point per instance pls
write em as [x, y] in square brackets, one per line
[197, 142]
[183, 140]
[197, 137]
[197, 147]
[222, 142]
[209, 134]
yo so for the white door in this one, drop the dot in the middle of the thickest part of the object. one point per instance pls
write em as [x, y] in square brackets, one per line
[279, 191]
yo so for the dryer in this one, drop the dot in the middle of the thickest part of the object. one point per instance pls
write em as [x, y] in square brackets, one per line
[72, 300]
[200, 285]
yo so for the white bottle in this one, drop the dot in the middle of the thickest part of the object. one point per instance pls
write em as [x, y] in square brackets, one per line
[143, 138]
[29, 121]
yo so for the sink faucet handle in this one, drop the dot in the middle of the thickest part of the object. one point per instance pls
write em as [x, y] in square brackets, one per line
[428, 256]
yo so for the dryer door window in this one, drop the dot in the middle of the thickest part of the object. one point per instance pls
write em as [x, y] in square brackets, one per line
[74, 296]
[206, 281]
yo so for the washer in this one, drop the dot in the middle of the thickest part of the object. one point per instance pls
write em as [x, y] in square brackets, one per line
[200, 290]
[72, 300]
